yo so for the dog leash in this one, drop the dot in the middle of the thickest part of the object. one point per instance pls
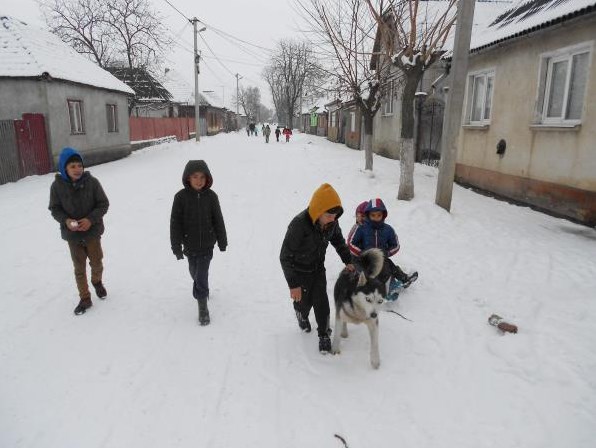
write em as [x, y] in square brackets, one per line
[400, 315]
[342, 439]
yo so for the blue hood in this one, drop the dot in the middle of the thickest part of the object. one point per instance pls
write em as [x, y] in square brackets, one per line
[66, 154]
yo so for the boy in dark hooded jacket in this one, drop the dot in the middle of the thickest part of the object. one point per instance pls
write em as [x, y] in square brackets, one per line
[375, 232]
[302, 259]
[196, 225]
[78, 203]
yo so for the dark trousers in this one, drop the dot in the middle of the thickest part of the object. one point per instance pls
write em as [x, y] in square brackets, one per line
[314, 295]
[390, 269]
[80, 251]
[198, 265]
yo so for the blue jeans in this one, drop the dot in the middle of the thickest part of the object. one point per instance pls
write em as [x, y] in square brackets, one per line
[198, 265]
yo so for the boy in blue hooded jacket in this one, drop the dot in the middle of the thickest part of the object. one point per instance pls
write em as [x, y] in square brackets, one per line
[376, 233]
[78, 203]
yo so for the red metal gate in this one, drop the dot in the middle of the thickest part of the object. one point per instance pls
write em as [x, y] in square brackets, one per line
[32, 143]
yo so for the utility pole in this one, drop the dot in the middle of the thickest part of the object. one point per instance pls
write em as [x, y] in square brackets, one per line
[197, 60]
[238, 78]
[455, 101]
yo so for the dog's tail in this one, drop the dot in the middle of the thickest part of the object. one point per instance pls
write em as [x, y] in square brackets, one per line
[372, 261]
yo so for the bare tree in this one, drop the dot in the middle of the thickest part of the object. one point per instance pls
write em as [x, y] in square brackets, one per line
[140, 34]
[128, 31]
[292, 68]
[345, 33]
[412, 34]
[249, 99]
[82, 25]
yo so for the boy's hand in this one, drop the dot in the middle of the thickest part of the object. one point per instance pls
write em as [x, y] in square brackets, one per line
[84, 225]
[179, 254]
[296, 294]
[72, 224]
[350, 267]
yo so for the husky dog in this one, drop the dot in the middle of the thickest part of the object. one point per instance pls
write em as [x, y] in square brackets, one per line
[358, 298]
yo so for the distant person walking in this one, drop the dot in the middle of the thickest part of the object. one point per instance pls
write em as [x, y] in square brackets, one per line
[277, 133]
[267, 133]
[287, 132]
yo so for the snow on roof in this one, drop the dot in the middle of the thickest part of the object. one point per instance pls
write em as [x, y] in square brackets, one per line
[182, 92]
[27, 51]
[315, 104]
[526, 16]
[212, 98]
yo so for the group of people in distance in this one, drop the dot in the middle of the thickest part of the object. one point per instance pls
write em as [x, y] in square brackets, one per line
[252, 129]
[78, 202]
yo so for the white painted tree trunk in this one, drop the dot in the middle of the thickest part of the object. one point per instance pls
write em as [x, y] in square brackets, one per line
[406, 169]
[368, 151]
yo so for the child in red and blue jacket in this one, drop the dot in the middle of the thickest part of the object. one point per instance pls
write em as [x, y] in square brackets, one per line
[374, 232]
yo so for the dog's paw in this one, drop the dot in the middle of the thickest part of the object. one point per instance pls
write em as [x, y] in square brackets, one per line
[335, 351]
[375, 363]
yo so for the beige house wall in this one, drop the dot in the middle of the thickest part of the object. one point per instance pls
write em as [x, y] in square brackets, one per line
[565, 156]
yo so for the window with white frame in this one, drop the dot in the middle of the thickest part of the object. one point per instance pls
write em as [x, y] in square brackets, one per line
[332, 123]
[112, 117]
[562, 85]
[352, 121]
[75, 114]
[479, 97]
[388, 100]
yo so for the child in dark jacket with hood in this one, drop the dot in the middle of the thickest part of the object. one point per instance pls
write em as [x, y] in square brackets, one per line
[196, 225]
[375, 232]
[78, 203]
[302, 259]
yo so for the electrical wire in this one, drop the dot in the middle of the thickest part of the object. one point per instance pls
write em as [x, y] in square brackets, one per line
[177, 10]
[214, 55]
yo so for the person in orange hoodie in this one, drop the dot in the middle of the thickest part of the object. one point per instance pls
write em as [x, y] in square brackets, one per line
[302, 259]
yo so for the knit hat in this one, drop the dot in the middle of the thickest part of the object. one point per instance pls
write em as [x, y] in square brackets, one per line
[74, 158]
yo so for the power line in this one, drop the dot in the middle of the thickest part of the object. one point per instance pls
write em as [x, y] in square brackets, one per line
[177, 10]
[234, 37]
[213, 53]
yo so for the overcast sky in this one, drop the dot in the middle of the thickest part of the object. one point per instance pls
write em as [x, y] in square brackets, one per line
[258, 22]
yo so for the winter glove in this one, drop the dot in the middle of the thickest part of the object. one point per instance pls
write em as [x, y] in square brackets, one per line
[179, 255]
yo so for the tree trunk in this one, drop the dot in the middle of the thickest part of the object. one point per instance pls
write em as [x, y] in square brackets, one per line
[366, 140]
[406, 141]
[406, 169]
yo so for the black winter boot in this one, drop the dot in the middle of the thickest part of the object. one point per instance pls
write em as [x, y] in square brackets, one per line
[203, 312]
[83, 306]
[100, 290]
[410, 279]
[324, 343]
[303, 322]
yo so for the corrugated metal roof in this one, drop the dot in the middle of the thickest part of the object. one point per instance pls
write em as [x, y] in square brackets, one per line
[527, 16]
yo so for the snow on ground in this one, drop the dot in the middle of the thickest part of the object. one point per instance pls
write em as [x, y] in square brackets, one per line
[137, 370]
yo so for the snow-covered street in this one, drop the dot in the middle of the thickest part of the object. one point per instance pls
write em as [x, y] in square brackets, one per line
[137, 371]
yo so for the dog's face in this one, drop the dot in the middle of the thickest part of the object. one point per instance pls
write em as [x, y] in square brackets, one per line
[369, 297]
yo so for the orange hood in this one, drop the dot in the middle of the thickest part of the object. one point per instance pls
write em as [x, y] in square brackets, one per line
[324, 198]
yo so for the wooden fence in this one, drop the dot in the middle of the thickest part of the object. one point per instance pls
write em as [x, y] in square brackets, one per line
[147, 128]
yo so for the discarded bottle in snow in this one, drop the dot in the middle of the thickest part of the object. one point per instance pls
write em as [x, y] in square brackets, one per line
[497, 321]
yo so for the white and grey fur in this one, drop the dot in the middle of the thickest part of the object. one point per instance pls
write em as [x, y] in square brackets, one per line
[358, 299]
